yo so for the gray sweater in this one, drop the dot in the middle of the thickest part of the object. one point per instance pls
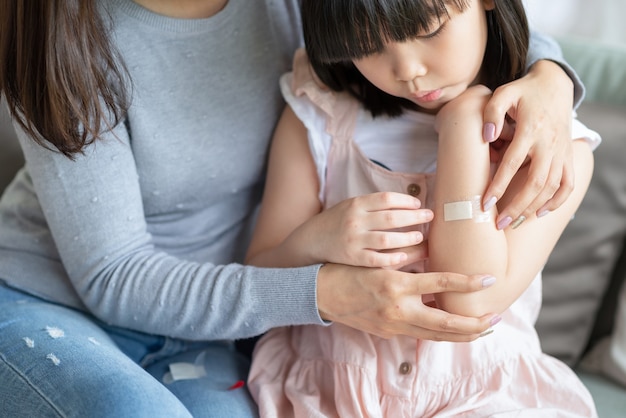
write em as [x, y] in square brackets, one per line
[148, 228]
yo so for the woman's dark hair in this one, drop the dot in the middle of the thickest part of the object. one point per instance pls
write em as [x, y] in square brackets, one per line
[336, 32]
[59, 73]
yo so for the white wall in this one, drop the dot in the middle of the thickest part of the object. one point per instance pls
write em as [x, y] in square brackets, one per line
[603, 20]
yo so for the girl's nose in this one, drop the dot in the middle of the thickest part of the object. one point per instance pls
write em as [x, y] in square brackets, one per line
[408, 64]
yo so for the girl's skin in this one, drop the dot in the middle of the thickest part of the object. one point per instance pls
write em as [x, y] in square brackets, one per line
[293, 230]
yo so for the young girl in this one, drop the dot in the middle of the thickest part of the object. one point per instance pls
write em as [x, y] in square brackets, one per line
[390, 91]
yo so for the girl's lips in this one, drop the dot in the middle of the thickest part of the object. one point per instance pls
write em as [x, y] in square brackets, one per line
[428, 96]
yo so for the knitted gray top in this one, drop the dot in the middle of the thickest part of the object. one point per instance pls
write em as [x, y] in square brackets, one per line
[146, 229]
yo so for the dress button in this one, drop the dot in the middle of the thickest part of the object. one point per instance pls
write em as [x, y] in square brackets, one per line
[405, 368]
[413, 189]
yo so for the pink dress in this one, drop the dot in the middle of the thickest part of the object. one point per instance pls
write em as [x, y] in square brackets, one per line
[336, 371]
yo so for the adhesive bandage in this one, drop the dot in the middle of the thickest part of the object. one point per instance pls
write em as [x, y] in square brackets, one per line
[464, 210]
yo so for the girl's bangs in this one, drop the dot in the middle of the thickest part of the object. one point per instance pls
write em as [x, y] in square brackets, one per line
[353, 29]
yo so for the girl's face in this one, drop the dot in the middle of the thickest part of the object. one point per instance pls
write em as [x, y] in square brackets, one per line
[437, 66]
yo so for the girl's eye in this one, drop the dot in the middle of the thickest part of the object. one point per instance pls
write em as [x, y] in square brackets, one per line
[435, 33]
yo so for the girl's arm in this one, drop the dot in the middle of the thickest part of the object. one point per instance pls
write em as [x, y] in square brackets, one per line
[383, 302]
[289, 198]
[513, 255]
[292, 230]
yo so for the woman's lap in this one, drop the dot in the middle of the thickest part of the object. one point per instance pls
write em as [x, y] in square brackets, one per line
[55, 361]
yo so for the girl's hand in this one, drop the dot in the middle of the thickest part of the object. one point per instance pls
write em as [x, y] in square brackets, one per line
[387, 303]
[374, 230]
[540, 107]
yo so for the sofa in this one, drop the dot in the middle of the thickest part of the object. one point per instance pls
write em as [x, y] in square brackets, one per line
[587, 269]
[588, 266]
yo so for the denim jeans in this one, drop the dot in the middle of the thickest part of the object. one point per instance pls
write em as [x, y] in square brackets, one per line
[59, 362]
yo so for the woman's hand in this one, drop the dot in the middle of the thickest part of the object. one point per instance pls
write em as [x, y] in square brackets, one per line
[388, 302]
[539, 108]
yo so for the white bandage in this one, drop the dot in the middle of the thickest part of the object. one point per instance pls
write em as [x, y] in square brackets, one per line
[465, 209]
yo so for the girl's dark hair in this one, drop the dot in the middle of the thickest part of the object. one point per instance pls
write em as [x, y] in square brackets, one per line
[336, 32]
[59, 73]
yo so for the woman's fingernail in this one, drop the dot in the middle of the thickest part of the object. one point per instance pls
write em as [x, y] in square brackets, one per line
[484, 334]
[518, 221]
[495, 320]
[504, 222]
[488, 281]
[489, 203]
[489, 132]
[542, 213]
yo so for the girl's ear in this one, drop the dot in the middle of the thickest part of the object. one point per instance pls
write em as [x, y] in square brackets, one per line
[489, 4]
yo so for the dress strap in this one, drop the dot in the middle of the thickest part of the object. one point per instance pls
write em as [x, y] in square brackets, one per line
[340, 108]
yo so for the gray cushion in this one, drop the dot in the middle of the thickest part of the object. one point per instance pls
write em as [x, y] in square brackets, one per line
[602, 67]
[579, 270]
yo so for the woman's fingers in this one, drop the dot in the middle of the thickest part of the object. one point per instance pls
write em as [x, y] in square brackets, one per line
[540, 107]
[387, 302]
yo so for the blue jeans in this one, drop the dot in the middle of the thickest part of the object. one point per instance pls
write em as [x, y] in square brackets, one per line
[59, 362]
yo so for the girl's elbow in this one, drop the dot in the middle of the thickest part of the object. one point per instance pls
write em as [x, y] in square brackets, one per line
[472, 305]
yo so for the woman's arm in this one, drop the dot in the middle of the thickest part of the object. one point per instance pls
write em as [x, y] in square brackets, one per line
[121, 269]
[513, 255]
